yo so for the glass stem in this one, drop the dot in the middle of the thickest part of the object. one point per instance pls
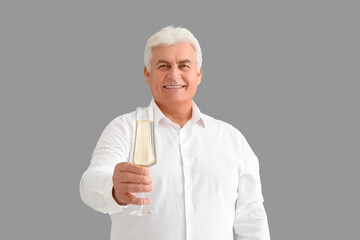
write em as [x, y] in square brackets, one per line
[143, 205]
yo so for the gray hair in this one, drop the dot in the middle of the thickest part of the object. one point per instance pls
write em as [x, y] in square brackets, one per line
[168, 36]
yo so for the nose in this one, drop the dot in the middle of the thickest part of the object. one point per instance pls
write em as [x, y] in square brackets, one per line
[173, 74]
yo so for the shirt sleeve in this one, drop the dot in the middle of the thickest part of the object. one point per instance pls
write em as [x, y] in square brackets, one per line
[250, 217]
[96, 184]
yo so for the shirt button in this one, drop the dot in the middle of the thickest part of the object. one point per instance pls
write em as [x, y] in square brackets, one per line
[190, 220]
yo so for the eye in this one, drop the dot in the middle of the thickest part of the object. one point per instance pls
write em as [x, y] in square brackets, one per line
[184, 66]
[163, 67]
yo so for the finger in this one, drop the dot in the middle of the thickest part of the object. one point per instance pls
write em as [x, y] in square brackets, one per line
[129, 167]
[134, 188]
[132, 199]
[127, 177]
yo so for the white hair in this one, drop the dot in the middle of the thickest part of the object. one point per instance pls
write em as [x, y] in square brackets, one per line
[168, 36]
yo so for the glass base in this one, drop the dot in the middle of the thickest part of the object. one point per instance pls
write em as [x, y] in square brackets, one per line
[143, 212]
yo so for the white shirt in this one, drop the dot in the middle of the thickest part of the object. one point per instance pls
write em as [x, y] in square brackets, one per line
[206, 182]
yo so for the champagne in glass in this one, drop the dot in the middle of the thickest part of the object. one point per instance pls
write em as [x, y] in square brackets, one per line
[144, 147]
[144, 153]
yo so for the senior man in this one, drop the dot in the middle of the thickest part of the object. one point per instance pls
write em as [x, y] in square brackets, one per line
[206, 182]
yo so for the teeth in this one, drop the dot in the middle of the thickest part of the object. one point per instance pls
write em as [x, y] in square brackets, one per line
[173, 86]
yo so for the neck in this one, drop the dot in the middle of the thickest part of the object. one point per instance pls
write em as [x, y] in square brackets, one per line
[179, 113]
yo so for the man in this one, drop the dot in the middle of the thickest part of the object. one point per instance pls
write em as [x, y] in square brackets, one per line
[206, 182]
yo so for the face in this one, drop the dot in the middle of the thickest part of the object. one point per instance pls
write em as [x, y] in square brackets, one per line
[173, 78]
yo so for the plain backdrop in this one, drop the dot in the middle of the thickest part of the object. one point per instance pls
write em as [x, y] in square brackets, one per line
[285, 73]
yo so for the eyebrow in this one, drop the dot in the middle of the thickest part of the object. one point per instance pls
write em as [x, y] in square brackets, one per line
[162, 61]
[180, 62]
[185, 61]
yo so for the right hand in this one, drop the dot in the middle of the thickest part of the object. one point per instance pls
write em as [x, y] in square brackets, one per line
[129, 179]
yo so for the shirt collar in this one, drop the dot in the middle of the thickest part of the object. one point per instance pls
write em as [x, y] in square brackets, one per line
[196, 117]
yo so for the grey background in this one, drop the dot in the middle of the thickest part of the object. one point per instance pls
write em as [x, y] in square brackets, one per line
[285, 73]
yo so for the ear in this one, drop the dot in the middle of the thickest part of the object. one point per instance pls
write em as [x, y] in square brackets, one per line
[147, 76]
[199, 76]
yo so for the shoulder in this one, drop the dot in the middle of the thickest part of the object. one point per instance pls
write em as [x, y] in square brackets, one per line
[229, 136]
[123, 124]
[222, 128]
[128, 118]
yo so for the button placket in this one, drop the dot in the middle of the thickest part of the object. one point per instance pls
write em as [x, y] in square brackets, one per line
[189, 215]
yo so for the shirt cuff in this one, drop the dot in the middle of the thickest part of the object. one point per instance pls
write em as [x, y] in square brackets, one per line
[113, 206]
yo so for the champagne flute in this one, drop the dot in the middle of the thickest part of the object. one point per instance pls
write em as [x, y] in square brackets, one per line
[144, 153]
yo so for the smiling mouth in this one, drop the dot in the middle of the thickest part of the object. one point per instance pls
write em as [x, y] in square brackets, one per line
[174, 86]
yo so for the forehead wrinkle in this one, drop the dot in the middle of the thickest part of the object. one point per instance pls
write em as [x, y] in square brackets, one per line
[185, 61]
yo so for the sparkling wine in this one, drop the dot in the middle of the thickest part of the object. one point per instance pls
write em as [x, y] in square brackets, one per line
[144, 146]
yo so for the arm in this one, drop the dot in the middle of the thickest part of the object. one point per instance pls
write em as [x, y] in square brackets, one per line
[110, 182]
[250, 217]
[251, 222]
